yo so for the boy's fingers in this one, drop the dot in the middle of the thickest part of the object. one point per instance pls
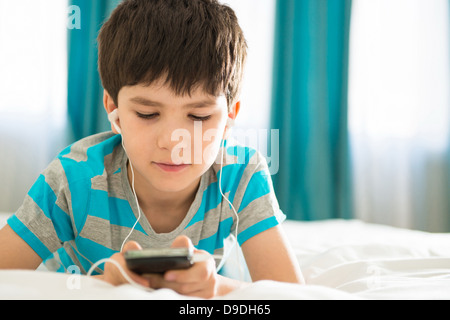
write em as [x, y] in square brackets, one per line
[131, 245]
[182, 242]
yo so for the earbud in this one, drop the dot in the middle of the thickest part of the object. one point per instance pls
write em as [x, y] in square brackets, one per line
[113, 117]
[230, 123]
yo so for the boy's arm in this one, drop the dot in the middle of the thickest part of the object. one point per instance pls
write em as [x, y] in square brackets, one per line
[15, 253]
[270, 257]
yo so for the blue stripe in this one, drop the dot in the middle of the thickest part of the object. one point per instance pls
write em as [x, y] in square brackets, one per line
[231, 177]
[244, 154]
[29, 237]
[94, 165]
[216, 240]
[92, 251]
[232, 174]
[44, 197]
[256, 229]
[116, 211]
[211, 199]
[96, 154]
[79, 175]
[62, 224]
[257, 188]
[65, 259]
[80, 192]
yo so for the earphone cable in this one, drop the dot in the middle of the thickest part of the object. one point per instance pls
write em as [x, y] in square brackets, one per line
[135, 197]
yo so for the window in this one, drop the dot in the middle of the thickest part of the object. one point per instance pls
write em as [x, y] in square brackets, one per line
[33, 92]
[32, 58]
[257, 19]
[399, 105]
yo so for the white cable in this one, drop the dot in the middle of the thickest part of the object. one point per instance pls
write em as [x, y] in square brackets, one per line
[135, 197]
[241, 272]
[122, 271]
[221, 192]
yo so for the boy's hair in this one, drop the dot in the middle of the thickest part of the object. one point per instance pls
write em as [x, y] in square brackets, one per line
[187, 43]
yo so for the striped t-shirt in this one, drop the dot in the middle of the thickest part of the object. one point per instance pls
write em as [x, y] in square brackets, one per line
[82, 207]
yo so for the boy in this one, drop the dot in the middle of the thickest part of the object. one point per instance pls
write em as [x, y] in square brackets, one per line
[168, 67]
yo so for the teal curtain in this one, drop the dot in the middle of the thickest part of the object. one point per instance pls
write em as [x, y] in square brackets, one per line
[85, 107]
[309, 108]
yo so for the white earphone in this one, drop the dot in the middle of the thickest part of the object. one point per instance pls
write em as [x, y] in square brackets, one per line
[230, 123]
[113, 117]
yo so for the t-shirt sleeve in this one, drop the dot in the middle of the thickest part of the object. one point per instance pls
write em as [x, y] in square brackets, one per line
[43, 220]
[256, 204]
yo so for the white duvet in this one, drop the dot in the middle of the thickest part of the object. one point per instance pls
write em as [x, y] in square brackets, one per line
[339, 260]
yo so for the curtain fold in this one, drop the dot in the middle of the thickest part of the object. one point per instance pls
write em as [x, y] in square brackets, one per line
[85, 107]
[309, 107]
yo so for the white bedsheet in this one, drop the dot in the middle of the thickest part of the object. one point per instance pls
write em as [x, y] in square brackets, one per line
[373, 261]
[339, 259]
[3, 218]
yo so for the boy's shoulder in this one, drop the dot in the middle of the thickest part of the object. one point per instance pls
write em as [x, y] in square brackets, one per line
[90, 156]
[103, 142]
[238, 154]
[239, 162]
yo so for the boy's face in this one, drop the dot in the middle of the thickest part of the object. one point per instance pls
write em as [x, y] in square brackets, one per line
[161, 130]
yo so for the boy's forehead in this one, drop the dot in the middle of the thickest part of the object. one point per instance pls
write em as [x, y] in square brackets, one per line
[159, 92]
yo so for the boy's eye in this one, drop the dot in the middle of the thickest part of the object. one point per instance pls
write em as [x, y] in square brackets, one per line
[146, 116]
[197, 118]
[154, 115]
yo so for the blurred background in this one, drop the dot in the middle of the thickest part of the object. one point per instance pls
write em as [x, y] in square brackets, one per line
[358, 89]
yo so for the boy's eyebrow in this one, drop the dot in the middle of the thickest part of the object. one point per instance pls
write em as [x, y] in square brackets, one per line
[150, 103]
[145, 102]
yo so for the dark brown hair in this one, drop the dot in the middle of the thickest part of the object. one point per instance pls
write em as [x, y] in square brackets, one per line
[190, 43]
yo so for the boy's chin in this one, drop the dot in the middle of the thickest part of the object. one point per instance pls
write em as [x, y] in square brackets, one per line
[174, 185]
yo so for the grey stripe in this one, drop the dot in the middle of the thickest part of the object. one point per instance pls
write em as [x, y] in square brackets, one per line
[78, 151]
[32, 216]
[110, 180]
[256, 211]
[56, 178]
[108, 235]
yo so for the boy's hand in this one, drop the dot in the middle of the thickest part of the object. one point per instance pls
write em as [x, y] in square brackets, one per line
[200, 280]
[112, 273]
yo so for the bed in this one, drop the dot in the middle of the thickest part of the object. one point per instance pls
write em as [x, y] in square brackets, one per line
[340, 259]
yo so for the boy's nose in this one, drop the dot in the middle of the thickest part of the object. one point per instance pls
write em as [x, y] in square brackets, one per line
[165, 137]
[173, 136]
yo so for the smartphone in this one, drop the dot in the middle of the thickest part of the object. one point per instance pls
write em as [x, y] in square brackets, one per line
[159, 260]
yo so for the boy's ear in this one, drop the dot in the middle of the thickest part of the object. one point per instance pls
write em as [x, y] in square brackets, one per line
[110, 106]
[108, 102]
[231, 118]
[235, 110]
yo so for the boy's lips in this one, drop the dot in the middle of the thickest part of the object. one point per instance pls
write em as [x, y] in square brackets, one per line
[170, 167]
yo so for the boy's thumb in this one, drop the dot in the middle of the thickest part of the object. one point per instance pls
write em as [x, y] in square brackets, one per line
[182, 242]
[131, 245]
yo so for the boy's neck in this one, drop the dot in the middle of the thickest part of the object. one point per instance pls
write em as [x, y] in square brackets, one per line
[164, 210]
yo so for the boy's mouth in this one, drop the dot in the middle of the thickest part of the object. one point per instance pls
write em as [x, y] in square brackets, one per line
[169, 167]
